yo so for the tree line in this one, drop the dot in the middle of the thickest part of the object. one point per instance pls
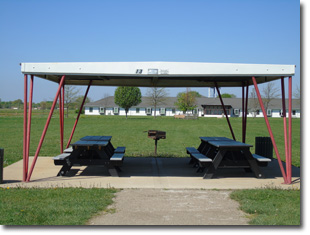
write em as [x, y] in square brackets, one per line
[72, 101]
[127, 97]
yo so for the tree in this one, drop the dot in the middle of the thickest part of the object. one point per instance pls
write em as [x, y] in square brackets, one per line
[196, 94]
[71, 93]
[43, 105]
[297, 94]
[186, 101]
[226, 95]
[253, 102]
[78, 102]
[156, 96]
[17, 103]
[126, 97]
[270, 92]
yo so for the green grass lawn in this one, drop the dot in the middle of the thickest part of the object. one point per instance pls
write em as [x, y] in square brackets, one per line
[270, 206]
[53, 206]
[56, 206]
[130, 133]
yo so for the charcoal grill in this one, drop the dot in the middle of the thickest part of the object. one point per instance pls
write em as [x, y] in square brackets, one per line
[156, 135]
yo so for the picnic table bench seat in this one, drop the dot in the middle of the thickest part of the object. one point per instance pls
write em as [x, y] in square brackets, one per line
[198, 158]
[61, 157]
[191, 150]
[261, 161]
[116, 161]
[62, 160]
[68, 150]
[120, 150]
[201, 158]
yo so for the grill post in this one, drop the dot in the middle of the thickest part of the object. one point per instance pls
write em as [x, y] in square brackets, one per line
[156, 135]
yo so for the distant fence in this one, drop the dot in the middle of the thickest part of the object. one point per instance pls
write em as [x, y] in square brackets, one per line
[183, 116]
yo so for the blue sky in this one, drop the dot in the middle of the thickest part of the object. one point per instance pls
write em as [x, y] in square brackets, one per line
[223, 31]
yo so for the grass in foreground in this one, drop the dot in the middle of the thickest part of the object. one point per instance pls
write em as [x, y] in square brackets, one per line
[53, 206]
[270, 206]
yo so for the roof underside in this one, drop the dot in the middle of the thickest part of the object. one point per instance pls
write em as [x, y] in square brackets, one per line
[158, 74]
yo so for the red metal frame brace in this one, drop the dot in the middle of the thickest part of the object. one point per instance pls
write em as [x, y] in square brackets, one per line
[244, 111]
[25, 170]
[284, 125]
[289, 169]
[269, 130]
[61, 120]
[29, 122]
[78, 116]
[45, 129]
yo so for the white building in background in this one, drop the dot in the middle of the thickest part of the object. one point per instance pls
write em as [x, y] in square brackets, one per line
[206, 107]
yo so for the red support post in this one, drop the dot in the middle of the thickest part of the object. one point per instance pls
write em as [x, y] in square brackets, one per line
[29, 122]
[61, 122]
[243, 137]
[231, 130]
[45, 129]
[63, 106]
[269, 129]
[289, 170]
[285, 125]
[78, 116]
[25, 127]
[246, 109]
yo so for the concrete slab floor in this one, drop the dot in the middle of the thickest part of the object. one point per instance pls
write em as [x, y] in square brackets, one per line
[157, 173]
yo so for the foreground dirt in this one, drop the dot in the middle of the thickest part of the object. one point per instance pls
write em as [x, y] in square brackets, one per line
[171, 207]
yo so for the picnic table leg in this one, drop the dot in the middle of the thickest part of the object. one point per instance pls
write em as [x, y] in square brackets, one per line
[253, 164]
[63, 171]
[191, 161]
[215, 163]
[65, 168]
[155, 147]
[113, 171]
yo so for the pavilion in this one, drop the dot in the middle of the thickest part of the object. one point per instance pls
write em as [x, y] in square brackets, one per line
[157, 74]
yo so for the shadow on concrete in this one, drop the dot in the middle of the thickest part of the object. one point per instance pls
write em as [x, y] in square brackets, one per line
[174, 167]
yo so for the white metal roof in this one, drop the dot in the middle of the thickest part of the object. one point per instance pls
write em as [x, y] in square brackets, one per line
[160, 74]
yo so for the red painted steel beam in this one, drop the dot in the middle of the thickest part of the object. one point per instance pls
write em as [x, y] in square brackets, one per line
[289, 170]
[269, 129]
[63, 108]
[246, 110]
[29, 122]
[283, 97]
[78, 116]
[231, 130]
[45, 129]
[61, 122]
[285, 125]
[25, 127]
[243, 137]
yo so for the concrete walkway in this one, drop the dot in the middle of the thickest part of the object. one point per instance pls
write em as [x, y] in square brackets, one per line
[172, 207]
[155, 173]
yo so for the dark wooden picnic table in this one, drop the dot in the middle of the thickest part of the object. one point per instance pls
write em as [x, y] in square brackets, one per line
[92, 150]
[97, 138]
[222, 152]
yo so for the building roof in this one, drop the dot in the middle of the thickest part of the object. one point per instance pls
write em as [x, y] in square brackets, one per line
[158, 74]
[169, 102]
